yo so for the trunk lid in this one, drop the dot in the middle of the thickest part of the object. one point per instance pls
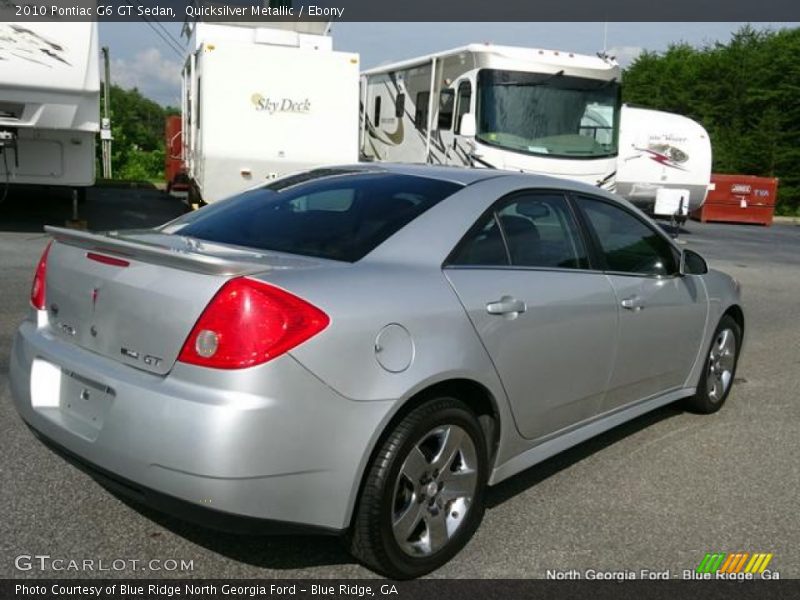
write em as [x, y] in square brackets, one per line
[141, 310]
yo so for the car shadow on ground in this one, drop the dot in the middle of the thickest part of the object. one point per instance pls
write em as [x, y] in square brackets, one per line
[28, 210]
[286, 552]
[509, 488]
[278, 552]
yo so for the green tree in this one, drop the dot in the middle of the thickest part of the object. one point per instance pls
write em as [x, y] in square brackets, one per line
[137, 125]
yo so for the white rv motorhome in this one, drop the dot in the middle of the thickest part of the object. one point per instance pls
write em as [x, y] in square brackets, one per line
[49, 103]
[513, 108]
[525, 109]
[262, 101]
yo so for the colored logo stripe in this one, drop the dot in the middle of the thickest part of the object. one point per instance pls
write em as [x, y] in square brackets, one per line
[758, 563]
[734, 562]
[711, 563]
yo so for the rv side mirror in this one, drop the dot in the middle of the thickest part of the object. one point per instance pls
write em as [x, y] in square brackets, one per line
[692, 263]
[467, 125]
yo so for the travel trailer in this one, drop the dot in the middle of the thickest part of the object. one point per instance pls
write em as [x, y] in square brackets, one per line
[49, 104]
[262, 101]
[532, 110]
[661, 152]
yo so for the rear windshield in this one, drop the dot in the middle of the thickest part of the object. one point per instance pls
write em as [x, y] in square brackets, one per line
[335, 214]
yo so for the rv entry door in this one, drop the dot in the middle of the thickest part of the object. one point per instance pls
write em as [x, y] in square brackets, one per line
[459, 144]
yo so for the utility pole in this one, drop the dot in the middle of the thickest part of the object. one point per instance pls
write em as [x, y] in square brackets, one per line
[105, 127]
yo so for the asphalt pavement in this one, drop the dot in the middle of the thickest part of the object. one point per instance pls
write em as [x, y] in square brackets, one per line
[657, 493]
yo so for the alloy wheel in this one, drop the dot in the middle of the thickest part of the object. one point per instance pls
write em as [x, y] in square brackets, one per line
[721, 361]
[434, 490]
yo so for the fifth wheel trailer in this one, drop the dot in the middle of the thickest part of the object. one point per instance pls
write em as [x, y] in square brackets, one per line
[262, 101]
[49, 103]
[527, 109]
[662, 151]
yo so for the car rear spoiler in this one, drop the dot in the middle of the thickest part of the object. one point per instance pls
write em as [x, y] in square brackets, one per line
[185, 259]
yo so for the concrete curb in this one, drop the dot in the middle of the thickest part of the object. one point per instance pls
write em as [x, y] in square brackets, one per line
[786, 220]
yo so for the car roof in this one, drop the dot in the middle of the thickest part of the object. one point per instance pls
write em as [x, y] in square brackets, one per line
[462, 175]
[469, 175]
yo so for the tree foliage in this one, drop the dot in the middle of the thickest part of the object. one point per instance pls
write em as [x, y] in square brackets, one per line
[746, 93]
[137, 126]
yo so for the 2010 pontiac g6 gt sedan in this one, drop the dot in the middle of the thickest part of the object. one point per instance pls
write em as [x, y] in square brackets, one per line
[362, 350]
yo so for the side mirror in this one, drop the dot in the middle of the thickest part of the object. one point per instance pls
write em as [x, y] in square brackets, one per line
[692, 263]
[467, 125]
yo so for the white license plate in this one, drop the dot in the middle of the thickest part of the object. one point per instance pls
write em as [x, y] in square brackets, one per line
[45, 384]
[54, 388]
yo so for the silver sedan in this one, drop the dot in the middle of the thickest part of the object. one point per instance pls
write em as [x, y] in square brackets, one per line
[363, 350]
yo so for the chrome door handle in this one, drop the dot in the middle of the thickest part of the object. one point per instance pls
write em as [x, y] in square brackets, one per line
[632, 303]
[506, 306]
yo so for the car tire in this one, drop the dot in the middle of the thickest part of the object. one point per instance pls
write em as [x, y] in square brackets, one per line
[422, 498]
[719, 368]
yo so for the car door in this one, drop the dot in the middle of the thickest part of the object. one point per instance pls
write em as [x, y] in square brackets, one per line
[662, 314]
[547, 320]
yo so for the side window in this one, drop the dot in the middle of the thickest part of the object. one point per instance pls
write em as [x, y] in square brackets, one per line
[400, 106]
[484, 247]
[462, 106]
[541, 232]
[421, 112]
[531, 230]
[628, 244]
[446, 101]
[376, 113]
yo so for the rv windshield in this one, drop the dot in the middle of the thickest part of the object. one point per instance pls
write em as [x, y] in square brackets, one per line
[550, 114]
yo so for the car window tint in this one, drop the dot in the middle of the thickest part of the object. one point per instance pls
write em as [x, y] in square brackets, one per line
[540, 232]
[628, 244]
[483, 247]
[532, 230]
[341, 215]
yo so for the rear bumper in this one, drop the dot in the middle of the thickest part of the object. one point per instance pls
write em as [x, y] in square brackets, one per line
[181, 509]
[269, 443]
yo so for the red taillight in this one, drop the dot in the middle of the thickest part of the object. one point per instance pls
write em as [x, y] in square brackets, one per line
[37, 289]
[248, 323]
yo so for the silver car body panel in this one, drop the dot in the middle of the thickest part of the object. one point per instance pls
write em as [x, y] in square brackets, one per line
[142, 313]
[258, 442]
[125, 313]
[555, 358]
[291, 439]
[659, 342]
